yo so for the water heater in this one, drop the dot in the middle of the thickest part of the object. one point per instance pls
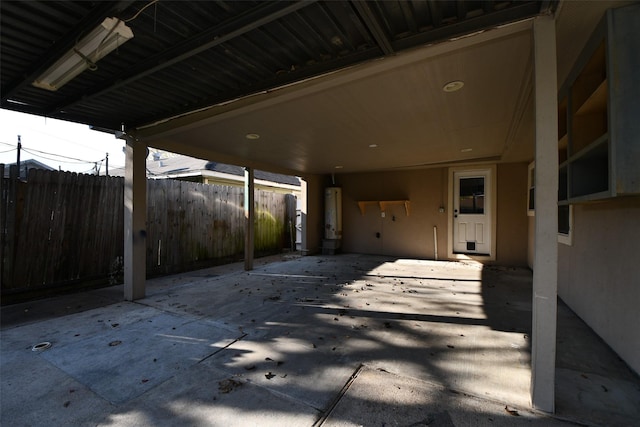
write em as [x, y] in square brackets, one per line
[333, 213]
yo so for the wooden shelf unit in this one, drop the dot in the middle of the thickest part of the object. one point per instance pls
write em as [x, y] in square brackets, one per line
[599, 114]
[383, 204]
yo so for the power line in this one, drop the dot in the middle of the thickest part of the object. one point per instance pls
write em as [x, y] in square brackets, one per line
[57, 157]
[69, 141]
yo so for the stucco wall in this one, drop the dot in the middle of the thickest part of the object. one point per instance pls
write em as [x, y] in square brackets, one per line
[400, 234]
[512, 223]
[599, 276]
[412, 235]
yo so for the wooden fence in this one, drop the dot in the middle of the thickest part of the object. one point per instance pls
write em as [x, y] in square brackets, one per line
[62, 229]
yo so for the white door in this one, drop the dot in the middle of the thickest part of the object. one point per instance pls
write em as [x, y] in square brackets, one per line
[472, 212]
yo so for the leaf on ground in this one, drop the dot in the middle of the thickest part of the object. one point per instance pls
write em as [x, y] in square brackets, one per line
[225, 386]
[114, 343]
[269, 375]
[512, 412]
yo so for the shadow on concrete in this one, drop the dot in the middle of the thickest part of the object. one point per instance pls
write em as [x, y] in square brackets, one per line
[334, 340]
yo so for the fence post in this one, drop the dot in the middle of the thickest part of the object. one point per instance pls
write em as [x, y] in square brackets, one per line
[10, 195]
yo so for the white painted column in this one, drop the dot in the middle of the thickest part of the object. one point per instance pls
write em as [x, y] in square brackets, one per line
[545, 274]
[135, 217]
[304, 208]
[249, 215]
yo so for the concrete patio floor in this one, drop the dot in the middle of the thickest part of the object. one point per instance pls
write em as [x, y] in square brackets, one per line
[319, 340]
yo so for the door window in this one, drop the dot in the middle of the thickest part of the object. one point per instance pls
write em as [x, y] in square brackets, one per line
[472, 195]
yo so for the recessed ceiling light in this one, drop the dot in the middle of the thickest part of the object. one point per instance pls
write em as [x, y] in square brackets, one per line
[338, 167]
[373, 145]
[466, 150]
[453, 86]
[252, 136]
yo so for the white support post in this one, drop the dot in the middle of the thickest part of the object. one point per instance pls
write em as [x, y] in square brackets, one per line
[304, 199]
[249, 215]
[135, 216]
[545, 274]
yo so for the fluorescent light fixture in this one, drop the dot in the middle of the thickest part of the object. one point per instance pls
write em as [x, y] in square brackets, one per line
[84, 55]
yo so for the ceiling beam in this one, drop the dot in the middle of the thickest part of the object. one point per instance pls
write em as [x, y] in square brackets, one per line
[59, 48]
[409, 15]
[461, 9]
[436, 13]
[519, 11]
[215, 36]
[374, 26]
[487, 6]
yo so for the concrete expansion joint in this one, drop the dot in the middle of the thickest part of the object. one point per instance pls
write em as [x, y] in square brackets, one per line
[339, 396]
[223, 348]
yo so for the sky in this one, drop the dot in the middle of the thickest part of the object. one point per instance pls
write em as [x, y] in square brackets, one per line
[57, 143]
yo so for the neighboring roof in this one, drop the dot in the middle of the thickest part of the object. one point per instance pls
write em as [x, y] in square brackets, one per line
[161, 164]
[26, 166]
[189, 55]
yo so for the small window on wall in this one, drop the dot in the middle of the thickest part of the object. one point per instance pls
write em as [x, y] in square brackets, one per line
[565, 224]
[532, 190]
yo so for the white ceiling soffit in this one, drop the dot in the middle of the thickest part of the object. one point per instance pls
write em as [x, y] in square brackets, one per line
[395, 104]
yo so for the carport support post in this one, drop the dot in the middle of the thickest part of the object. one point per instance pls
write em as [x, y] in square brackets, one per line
[304, 197]
[135, 216]
[249, 215]
[545, 271]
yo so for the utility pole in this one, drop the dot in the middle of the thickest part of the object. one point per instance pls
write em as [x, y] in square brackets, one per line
[18, 159]
[106, 166]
